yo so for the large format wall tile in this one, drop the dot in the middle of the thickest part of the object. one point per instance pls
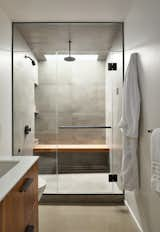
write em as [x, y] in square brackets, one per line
[46, 98]
[75, 97]
[88, 119]
[46, 122]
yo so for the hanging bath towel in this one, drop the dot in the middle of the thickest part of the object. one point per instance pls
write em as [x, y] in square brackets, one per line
[129, 125]
[155, 160]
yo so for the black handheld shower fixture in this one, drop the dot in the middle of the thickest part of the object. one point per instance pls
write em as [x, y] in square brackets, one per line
[69, 57]
[32, 61]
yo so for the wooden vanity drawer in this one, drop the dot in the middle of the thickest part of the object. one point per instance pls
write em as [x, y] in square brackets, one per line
[11, 207]
[30, 185]
[20, 206]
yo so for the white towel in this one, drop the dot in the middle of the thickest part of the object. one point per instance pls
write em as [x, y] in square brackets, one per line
[129, 125]
[155, 160]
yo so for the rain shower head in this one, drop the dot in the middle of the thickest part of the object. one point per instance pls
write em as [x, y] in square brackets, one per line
[32, 61]
[69, 58]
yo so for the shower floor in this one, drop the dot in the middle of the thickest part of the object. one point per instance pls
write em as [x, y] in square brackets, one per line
[92, 183]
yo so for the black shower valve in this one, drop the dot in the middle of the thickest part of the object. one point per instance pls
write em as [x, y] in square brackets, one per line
[27, 130]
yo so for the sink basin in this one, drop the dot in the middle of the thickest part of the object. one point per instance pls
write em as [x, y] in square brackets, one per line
[6, 166]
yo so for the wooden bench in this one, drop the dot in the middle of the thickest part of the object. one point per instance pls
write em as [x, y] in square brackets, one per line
[71, 148]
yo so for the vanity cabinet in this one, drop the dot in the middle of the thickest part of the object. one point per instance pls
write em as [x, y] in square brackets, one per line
[19, 209]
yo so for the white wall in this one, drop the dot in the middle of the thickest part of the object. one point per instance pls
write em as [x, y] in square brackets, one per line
[5, 86]
[62, 10]
[142, 35]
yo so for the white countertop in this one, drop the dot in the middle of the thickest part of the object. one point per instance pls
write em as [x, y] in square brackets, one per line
[11, 178]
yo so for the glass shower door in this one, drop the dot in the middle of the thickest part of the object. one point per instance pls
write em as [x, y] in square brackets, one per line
[81, 125]
[84, 158]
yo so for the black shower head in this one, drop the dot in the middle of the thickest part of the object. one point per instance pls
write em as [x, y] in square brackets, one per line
[32, 61]
[69, 58]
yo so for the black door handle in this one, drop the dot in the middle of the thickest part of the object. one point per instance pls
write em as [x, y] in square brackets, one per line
[85, 127]
[26, 184]
[29, 228]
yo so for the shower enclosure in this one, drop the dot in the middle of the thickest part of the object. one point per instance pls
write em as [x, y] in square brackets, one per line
[75, 105]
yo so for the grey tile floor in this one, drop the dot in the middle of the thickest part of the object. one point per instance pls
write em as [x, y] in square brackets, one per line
[85, 219]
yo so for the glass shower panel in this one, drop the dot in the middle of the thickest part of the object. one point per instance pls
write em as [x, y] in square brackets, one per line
[115, 80]
[83, 152]
[46, 122]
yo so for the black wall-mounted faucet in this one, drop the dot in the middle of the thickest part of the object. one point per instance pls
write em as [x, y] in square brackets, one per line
[27, 130]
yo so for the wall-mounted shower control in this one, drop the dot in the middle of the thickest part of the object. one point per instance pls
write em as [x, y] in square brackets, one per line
[27, 130]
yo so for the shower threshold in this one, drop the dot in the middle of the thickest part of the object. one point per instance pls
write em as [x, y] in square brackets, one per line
[81, 199]
[81, 188]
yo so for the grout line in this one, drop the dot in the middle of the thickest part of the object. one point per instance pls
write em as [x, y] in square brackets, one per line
[133, 216]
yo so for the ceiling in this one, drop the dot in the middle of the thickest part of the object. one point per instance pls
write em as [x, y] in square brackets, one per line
[87, 38]
[66, 10]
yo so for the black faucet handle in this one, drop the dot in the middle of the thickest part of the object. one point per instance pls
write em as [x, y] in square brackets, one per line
[27, 130]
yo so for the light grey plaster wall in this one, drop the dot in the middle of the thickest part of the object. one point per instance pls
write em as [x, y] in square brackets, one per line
[70, 94]
[25, 75]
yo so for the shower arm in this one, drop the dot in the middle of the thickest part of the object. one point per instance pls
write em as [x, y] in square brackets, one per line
[70, 47]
